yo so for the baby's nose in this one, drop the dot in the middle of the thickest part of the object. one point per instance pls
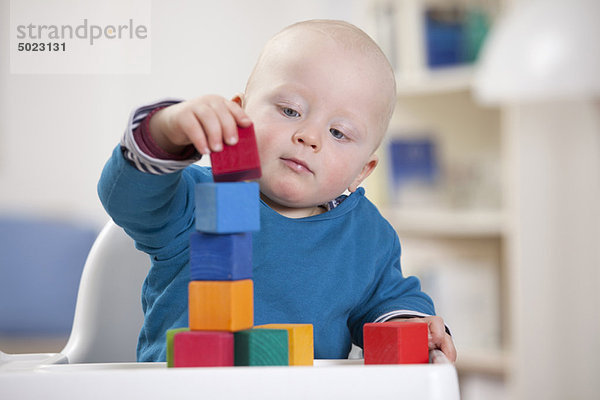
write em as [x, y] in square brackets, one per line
[308, 138]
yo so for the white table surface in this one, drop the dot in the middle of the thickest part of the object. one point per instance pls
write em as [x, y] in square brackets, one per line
[327, 379]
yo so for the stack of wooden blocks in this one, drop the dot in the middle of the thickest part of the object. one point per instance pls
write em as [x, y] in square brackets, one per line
[221, 296]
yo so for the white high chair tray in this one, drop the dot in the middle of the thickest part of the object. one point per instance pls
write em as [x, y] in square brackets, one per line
[328, 379]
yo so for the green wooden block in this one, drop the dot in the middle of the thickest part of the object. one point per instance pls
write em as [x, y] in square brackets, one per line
[254, 347]
[170, 335]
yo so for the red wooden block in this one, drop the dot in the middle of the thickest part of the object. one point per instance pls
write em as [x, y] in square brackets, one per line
[239, 162]
[203, 349]
[396, 342]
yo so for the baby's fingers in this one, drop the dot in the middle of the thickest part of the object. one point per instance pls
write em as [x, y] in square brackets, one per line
[241, 118]
[230, 116]
[219, 119]
[437, 330]
[212, 126]
[189, 127]
[439, 339]
[448, 348]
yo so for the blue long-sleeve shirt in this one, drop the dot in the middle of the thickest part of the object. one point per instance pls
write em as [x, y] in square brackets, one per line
[337, 270]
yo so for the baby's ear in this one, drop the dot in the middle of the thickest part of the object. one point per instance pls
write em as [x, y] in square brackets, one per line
[239, 99]
[366, 171]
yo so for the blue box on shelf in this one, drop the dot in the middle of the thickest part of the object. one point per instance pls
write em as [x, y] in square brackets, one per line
[444, 37]
[413, 160]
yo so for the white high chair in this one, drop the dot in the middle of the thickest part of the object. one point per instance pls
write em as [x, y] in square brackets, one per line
[103, 342]
[108, 312]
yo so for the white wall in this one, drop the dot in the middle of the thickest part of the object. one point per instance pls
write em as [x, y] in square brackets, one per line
[56, 131]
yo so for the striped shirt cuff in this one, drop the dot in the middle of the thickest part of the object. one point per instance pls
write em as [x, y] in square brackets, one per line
[400, 314]
[406, 314]
[137, 157]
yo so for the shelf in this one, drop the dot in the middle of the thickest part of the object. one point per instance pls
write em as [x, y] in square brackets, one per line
[490, 362]
[442, 80]
[457, 223]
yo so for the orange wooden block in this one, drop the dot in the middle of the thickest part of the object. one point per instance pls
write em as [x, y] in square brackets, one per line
[300, 342]
[221, 305]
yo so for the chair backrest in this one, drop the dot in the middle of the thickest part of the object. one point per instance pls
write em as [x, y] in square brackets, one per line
[41, 261]
[108, 313]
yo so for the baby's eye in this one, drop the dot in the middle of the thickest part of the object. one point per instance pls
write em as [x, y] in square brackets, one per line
[336, 133]
[290, 112]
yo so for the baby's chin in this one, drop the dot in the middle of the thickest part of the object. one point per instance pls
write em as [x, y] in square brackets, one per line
[284, 192]
[294, 194]
[279, 200]
[295, 207]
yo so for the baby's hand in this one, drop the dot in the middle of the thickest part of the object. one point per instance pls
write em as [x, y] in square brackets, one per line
[439, 339]
[206, 122]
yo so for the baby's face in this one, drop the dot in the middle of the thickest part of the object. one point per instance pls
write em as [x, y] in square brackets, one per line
[317, 114]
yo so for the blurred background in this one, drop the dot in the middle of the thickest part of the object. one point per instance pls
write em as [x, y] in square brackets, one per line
[495, 199]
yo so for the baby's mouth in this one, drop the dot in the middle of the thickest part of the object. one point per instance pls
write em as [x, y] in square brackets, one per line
[297, 165]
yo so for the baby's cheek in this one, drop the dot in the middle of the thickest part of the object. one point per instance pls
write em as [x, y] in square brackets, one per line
[266, 145]
[344, 171]
[338, 180]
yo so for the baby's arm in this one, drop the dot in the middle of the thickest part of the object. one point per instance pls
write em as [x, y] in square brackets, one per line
[396, 297]
[139, 200]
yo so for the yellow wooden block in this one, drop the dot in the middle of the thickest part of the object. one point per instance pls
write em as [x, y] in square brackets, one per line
[221, 305]
[300, 342]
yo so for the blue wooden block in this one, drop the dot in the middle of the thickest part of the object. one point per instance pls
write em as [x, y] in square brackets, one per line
[220, 257]
[227, 207]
